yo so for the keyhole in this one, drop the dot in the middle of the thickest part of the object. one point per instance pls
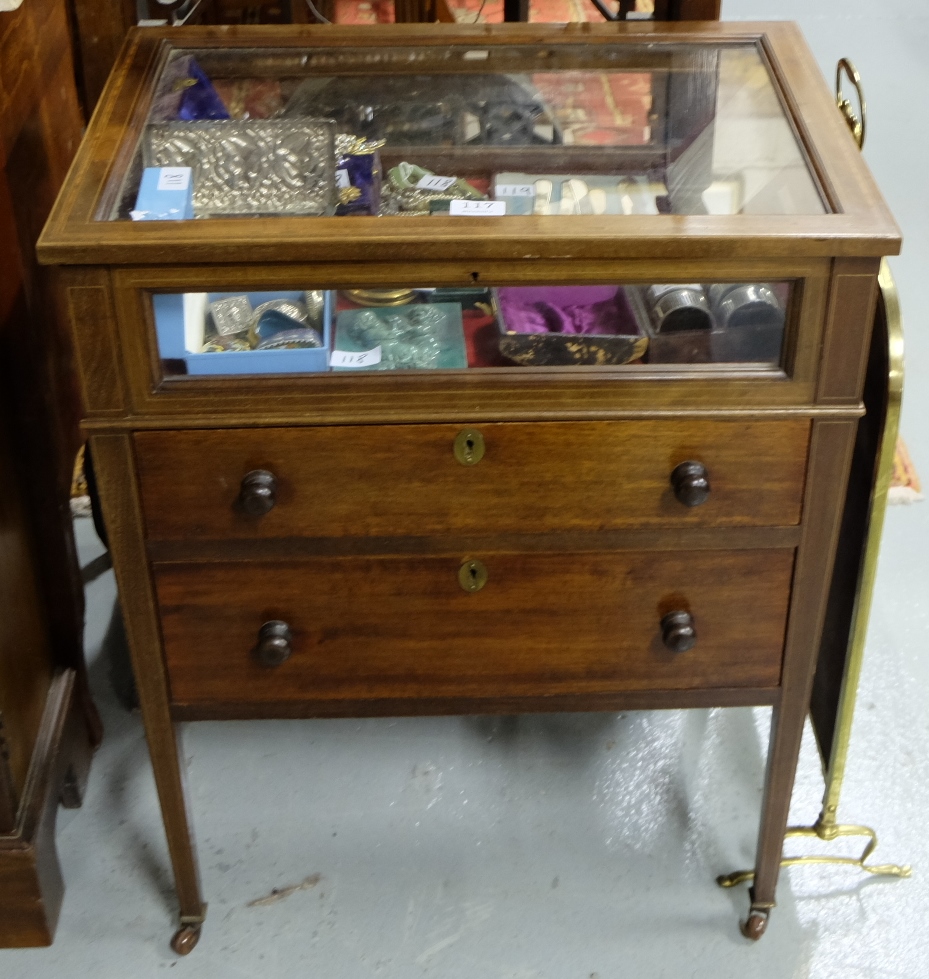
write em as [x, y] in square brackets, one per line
[472, 576]
[469, 447]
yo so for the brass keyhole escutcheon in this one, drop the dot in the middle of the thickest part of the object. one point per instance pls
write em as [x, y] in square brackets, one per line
[469, 447]
[472, 575]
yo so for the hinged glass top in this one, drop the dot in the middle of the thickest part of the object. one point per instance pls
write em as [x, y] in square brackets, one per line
[562, 129]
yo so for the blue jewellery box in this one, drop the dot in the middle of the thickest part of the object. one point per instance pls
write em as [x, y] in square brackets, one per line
[165, 194]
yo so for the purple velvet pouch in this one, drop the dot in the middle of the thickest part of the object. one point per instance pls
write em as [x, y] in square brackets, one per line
[186, 92]
[358, 174]
[200, 100]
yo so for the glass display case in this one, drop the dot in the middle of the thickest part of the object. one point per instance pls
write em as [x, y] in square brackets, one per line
[489, 369]
[503, 131]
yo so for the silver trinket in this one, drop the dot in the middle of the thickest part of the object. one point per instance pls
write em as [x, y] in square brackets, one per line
[315, 302]
[275, 316]
[231, 316]
[292, 340]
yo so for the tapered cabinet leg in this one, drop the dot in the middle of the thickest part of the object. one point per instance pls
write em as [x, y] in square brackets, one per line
[830, 457]
[114, 466]
[783, 751]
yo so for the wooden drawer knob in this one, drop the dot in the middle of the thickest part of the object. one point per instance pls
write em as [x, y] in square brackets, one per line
[258, 491]
[274, 639]
[691, 483]
[678, 632]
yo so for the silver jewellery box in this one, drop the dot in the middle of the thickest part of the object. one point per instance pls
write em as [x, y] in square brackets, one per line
[263, 166]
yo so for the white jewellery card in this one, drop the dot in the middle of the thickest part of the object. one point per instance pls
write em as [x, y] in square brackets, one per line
[174, 178]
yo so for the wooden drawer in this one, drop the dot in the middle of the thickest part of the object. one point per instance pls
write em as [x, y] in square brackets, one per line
[402, 480]
[403, 627]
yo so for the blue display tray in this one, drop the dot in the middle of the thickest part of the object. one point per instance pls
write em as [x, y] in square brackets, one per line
[180, 322]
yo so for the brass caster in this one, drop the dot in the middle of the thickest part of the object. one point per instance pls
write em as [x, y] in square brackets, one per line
[755, 924]
[185, 939]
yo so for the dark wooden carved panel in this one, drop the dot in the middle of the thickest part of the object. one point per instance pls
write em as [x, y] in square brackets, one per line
[40, 126]
[694, 9]
[100, 29]
[25, 658]
[41, 594]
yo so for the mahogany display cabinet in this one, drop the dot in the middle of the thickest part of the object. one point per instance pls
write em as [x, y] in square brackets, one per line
[470, 370]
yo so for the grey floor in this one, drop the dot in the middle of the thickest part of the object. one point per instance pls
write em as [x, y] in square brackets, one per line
[556, 847]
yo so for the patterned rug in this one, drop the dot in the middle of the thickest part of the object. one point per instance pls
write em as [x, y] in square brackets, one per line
[481, 11]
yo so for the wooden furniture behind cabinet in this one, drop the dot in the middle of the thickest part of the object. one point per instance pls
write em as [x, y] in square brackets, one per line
[100, 26]
[48, 724]
[507, 536]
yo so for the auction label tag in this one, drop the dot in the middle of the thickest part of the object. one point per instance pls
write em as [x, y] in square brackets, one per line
[435, 183]
[355, 358]
[477, 209]
[515, 190]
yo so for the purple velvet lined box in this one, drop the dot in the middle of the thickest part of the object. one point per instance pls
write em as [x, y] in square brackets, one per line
[545, 326]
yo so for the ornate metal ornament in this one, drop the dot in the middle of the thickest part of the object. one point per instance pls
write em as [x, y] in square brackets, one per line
[232, 315]
[251, 167]
[292, 340]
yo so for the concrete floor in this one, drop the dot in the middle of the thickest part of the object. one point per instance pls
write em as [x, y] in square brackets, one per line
[553, 847]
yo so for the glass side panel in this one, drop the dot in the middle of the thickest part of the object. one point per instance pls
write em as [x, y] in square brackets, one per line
[553, 326]
[593, 129]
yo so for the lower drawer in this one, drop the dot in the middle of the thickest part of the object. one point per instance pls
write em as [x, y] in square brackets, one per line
[405, 627]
